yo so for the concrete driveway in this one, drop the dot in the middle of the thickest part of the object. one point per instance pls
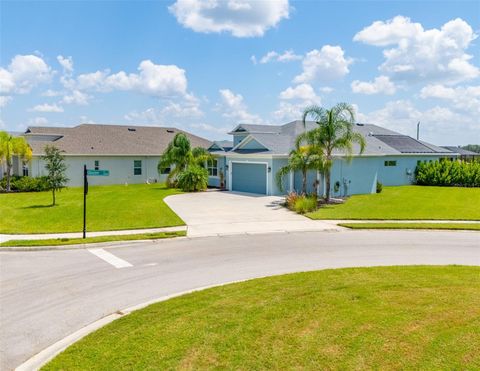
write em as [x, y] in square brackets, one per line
[216, 213]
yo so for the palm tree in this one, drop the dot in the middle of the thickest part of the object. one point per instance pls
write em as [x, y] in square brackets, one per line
[302, 159]
[179, 155]
[13, 146]
[334, 131]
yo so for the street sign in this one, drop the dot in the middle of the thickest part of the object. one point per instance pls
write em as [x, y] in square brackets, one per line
[98, 172]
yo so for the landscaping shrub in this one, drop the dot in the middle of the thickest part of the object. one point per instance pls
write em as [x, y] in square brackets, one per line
[192, 179]
[305, 204]
[379, 187]
[290, 200]
[448, 173]
[25, 184]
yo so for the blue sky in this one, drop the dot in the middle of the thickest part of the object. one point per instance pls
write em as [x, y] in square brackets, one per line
[206, 66]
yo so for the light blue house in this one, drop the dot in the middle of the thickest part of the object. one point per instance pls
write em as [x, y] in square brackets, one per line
[250, 162]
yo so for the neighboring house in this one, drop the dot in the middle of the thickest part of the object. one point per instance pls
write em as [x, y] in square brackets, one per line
[464, 154]
[129, 153]
[259, 151]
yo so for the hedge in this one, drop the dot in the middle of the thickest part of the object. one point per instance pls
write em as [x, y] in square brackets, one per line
[448, 173]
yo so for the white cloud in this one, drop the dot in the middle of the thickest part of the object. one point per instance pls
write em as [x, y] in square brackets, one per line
[423, 55]
[76, 97]
[66, 63]
[326, 64]
[294, 100]
[439, 125]
[189, 108]
[302, 92]
[272, 56]
[381, 85]
[201, 128]
[4, 99]
[235, 108]
[47, 108]
[462, 98]
[37, 121]
[242, 18]
[326, 89]
[153, 79]
[150, 115]
[51, 93]
[23, 73]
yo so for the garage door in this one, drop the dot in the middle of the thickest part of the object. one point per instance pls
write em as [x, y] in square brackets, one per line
[249, 178]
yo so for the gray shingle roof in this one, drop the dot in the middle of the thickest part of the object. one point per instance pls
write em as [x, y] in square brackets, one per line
[94, 139]
[461, 151]
[379, 141]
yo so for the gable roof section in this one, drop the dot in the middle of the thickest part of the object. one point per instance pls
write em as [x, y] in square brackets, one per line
[461, 151]
[94, 139]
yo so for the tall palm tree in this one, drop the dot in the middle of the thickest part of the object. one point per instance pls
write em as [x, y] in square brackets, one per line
[13, 146]
[334, 131]
[302, 159]
[179, 155]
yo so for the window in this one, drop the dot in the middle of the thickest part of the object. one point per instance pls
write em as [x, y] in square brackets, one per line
[97, 165]
[25, 170]
[137, 167]
[212, 167]
[390, 163]
[166, 171]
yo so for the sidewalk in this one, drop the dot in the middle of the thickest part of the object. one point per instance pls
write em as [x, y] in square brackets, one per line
[8, 237]
[401, 221]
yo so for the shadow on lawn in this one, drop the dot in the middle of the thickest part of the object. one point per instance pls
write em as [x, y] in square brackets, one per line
[38, 206]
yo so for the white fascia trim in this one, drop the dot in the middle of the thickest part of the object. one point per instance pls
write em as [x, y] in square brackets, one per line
[246, 140]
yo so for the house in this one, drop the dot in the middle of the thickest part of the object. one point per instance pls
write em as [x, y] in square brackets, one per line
[464, 154]
[258, 151]
[129, 153]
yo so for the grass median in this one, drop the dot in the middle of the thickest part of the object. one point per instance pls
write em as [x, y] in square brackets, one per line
[114, 207]
[361, 318]
[88, 240]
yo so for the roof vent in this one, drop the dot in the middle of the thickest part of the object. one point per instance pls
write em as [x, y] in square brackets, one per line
[170, 131]
[358, 124]
[370, 133]
[132, 129]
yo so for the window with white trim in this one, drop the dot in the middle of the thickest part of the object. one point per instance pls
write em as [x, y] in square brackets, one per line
[390, 163]
[212, 167]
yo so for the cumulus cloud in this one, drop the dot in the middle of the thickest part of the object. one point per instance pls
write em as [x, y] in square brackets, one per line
[23, 73]
[66, 63]
[327, 64]
[37, 121]
[294, 100]
[437, 122]
[416, 54]
[47, 108]
[462, 98]
[152, 79]
[241, 18]
[234, 107]
[76, 97]
[273, 56]
[381, 85]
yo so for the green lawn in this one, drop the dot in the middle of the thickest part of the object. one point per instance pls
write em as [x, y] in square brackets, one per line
[76, 241]
[108, 208]
[447, 226]
[408, 202]
[363, 318]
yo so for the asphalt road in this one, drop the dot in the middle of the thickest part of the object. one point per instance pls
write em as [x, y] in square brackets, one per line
[46, 295]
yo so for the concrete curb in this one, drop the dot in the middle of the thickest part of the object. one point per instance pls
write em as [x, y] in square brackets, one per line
[46, 355]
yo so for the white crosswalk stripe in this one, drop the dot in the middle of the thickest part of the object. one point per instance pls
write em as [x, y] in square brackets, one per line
[110, 258]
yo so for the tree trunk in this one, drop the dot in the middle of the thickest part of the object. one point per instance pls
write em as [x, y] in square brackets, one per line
[9, 170]
[53, 195]
[304, 182]
[327, 181]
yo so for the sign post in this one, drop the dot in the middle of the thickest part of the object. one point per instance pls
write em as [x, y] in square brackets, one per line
[85, 191]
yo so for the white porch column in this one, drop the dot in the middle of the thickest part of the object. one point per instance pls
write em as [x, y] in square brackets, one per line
[290, 181]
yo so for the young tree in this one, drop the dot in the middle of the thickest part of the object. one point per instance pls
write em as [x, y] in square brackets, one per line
[334, 131]
[56, 168]
[302, 159]
[13, 146]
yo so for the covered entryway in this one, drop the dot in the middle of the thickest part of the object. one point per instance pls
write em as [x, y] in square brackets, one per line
[249, 177]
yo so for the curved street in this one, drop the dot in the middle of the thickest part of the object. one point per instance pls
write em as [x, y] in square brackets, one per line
[47, 295]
